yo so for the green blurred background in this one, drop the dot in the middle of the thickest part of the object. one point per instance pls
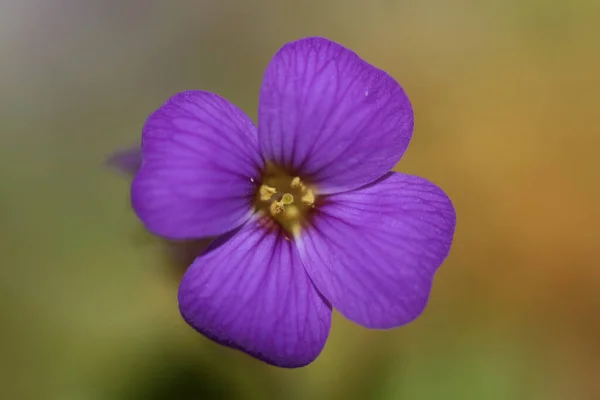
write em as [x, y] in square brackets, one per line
[506, 96]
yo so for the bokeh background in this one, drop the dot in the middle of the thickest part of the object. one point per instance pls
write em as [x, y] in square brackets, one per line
[507, 102]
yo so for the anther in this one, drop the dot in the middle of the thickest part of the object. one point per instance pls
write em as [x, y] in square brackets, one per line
[266, 192]
[308, 197]
[276, 207]
[297, 183]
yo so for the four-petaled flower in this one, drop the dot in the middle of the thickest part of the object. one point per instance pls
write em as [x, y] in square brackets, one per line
[307, 213]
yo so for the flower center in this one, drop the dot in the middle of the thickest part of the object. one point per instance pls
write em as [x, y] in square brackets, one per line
[285, 199]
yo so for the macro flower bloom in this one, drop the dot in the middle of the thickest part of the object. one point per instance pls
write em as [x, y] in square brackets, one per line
[307, 215]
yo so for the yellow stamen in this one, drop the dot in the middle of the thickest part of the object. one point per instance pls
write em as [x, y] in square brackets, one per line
[297, 183]
[308, 197]
[276, 208]
[266, 192]
[285, 199]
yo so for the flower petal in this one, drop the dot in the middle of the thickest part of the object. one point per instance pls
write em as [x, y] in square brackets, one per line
[126, 161]
[200, 165]
[331, 117]
[373, 252]
[250, 292]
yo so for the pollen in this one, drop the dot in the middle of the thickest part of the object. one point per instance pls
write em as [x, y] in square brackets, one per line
[308, 197]
[276, 208]
[297, 183]
[285, 199]
[266, 192]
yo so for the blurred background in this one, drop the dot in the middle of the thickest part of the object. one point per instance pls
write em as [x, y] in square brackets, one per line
[506, 96]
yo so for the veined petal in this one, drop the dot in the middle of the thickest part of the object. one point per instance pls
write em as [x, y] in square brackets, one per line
[249, 291]
[373, 252]
[331, 117]
[200, 165]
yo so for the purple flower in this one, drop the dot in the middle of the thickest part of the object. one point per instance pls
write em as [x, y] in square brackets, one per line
[307, 213]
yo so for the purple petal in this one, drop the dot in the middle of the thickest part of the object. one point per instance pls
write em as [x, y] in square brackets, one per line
[200, 166]
[126, 161]
[250, 292]
[373, 252]
[331, 117]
